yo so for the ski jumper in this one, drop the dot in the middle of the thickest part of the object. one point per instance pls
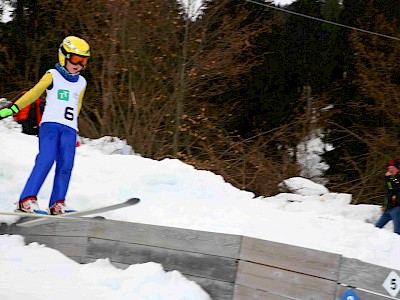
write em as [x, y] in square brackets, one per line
[58, 130]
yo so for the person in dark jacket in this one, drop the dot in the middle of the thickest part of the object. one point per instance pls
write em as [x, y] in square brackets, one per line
[391, 205]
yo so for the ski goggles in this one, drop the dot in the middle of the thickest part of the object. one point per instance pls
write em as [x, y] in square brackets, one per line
[77, 60]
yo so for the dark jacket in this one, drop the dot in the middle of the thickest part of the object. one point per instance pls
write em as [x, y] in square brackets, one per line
[392, 198]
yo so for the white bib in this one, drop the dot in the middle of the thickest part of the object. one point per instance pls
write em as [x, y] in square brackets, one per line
[62, 100]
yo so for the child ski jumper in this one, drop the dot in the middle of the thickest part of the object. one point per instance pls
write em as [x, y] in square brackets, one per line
[65, 89]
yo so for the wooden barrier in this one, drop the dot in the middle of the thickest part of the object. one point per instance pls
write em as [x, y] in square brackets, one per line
[293, 272]
[226, 266]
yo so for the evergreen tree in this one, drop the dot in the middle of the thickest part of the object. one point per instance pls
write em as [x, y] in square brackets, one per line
[362, 126]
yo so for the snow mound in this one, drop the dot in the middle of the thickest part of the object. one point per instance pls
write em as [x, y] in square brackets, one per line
[302, 186]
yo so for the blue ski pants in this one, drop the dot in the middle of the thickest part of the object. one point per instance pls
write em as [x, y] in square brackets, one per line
[57, 143]
[392, 214]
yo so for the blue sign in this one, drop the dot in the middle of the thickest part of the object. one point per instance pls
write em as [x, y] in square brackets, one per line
[350, 295]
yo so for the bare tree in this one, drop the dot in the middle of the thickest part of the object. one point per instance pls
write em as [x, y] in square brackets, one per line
[160, 79]
[375, 123]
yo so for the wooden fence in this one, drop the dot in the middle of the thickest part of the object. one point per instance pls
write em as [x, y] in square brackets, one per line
[226, 266]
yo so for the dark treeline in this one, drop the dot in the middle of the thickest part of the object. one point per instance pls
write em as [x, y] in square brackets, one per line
[233, 91]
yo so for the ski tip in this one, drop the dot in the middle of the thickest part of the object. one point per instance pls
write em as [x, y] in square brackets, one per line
[132, 201]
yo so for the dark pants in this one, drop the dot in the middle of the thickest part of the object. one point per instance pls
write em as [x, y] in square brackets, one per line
[392, 214]
[57, 143]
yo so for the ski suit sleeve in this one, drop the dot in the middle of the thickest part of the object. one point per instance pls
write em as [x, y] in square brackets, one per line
[82, 94]
[34, 93]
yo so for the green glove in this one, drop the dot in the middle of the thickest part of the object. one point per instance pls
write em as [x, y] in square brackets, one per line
[6, 112]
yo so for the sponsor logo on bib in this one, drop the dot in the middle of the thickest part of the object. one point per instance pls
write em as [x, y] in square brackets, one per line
[63, 95]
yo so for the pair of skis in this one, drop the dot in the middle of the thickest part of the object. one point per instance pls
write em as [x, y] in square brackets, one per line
[41, 219]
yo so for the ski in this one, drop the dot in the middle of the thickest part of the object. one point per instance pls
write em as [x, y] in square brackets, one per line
[41, 219]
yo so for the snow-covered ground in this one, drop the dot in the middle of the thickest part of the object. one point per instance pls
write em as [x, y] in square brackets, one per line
[177, 195]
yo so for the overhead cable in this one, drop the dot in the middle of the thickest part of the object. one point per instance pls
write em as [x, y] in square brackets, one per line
[323, 20]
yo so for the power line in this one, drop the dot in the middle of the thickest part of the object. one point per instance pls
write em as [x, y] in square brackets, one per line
[325, 21]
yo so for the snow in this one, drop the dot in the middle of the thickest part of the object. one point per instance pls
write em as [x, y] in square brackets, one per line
[172, 194]
[41, 271]
[283, 2]
[309, 154]
[6, 11]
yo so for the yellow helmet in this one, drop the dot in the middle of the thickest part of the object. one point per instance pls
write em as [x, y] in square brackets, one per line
[73, 45]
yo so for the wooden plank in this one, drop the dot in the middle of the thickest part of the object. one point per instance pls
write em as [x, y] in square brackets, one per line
[218, 290]
[4, 228]
[298, 259]
[364, 295]
[175, 238]
[81, 259]
[78, 228]
[284, 282]
[246, 293]
[188, 263]
[167, 237]
[356, 273]
[69, 246]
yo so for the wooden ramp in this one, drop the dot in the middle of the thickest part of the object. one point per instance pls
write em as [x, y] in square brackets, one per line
[226, 266]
